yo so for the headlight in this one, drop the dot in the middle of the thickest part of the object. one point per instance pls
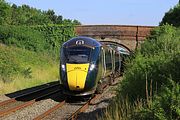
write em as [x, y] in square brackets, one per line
[63, 67]
[92, 67]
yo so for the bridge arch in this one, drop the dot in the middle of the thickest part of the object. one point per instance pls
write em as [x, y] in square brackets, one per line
[122, 47]
[127, 35]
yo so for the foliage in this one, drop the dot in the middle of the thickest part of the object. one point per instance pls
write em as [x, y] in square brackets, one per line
[8, 65]
[26, 15]
[172, 16]
[56, 19]
[151, 80]
[15, 61]
[156, 61]
[165, 106]
[4, 12]
[55, 35]
[32, 29]
[22, 37]
[29, 45]
[46, 38]
[20, 69]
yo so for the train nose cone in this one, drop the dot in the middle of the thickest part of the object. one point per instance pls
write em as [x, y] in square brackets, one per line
[76, 76]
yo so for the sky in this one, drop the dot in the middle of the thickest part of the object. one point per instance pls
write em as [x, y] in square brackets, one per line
[106, 12]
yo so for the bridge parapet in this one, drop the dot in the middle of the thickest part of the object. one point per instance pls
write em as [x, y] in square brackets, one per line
[130, 36]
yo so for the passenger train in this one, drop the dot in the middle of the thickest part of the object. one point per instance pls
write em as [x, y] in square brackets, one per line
[86, 65]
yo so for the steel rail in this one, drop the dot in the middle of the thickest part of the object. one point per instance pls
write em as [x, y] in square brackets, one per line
[83, 108]
[26, 104]
[86, 105]
[51, 110]
[7, 101]
[73, 115]
[26, 94]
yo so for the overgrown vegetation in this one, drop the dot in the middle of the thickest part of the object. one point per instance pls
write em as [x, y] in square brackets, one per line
[42, 38]
[26, 15]
[22, 68]
[29, 45]
[150, 87]
[22, 37]
[55, 35]
[172, 16]
[158, 61]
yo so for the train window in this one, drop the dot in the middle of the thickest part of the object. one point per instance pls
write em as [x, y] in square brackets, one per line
[78, 54]
[108, 58]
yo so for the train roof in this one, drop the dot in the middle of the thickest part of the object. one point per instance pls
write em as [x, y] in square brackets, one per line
[82, 41]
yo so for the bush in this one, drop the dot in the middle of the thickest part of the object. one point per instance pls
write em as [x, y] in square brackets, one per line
[17, 62]
[8, 65]
[151, 80]
[23, 37]
[156, 61]
[165, 106]
[162, 39]
[45, 38]
[55, 35]
[20, 69]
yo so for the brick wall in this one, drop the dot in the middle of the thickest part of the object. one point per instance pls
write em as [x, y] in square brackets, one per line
[128, 35]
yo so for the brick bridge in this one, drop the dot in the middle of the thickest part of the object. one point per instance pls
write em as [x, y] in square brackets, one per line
[129, 36]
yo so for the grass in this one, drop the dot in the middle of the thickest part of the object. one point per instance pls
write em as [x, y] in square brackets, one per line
[40, 76]
[20, 69]
[121, 109]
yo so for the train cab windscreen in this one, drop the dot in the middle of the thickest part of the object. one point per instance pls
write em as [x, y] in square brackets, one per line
[78, 54]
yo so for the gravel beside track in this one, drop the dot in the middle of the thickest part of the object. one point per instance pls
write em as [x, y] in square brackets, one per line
[66, 110]
[3, 107]
[3, 98]
[92, 113]
[99, 106]
[36, 109]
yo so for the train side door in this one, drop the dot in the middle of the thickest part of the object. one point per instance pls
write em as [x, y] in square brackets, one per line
[103, 55]
[120, 62]
[113, 61]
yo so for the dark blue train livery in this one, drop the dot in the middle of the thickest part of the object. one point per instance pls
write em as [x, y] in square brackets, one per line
[86, 65]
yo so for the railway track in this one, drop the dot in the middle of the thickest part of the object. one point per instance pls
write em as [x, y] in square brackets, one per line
[66, 110]
[83, 108]
[62, 109]
[27, 99]
[66, 113]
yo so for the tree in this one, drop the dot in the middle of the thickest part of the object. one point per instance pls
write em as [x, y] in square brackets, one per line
[59, 19]
[76, 22]
[53, 17]
[172, 16]
[4, 12]
[26, 15]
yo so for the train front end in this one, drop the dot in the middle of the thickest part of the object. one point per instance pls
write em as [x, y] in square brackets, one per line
[79, 66]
